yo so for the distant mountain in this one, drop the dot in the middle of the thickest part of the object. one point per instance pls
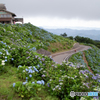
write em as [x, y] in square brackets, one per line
[92, 34]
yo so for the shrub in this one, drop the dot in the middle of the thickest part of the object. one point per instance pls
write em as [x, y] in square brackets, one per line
[53, 50]
[64, 47]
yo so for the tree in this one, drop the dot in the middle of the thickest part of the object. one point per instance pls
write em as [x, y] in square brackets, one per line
[70, 37]
[64, 35]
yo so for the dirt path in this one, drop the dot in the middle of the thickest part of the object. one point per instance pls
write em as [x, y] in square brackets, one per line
[84, 58]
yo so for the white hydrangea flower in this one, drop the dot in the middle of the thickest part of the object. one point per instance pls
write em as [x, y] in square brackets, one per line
[80, 76]
[82, 98]
[75, 76]
[72, 78]
[50, 79]
[3, 62]
[44, 71]
[65, 76]
[59, 88]
[60, 83]
[23, 70]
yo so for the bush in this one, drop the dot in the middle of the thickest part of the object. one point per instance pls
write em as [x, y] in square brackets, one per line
[64, 47]
[53, 50]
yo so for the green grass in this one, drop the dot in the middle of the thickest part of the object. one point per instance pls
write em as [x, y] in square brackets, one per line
[10, 77]
[6, 80]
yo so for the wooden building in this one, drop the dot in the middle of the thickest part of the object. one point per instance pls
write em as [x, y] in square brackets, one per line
[7, 16]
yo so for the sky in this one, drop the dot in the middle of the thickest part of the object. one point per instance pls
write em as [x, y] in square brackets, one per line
[57, 13]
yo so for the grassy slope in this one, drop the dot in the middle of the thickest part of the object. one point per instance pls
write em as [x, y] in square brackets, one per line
[20, 34]
[17, 35]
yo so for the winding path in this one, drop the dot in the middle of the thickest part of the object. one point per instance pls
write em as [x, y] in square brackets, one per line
[60, 57]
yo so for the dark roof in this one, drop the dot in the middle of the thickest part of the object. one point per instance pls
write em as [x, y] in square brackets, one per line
[2, 7]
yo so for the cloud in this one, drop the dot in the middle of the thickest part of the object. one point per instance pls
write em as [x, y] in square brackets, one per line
[61, 23]
[67, 9]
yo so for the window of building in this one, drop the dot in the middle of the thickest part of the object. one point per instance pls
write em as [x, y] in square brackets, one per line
[2, 16]
[5, 15]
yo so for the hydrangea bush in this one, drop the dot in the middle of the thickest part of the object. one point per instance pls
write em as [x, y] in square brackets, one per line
[93, 58]
[37, 72]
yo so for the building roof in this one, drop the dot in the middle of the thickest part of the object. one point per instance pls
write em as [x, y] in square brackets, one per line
[3, 8]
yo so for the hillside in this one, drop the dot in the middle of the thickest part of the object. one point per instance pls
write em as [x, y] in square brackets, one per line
[27, 75]
[32, 36]
[90, 33]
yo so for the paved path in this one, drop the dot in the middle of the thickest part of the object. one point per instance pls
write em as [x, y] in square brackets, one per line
[60, 57]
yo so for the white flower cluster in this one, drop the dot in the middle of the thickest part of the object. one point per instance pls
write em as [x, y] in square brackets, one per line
[57, 87]
[3, 62]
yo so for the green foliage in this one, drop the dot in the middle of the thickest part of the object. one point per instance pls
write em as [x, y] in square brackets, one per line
[64, 35]
[87, 41]
[68, 47]
[64, 47]
[53, 49]
[26, 89]
[71, 37]
[36, 73]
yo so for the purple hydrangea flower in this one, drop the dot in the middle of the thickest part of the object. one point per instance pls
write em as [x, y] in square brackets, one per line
[43, 59]
[27, 57]
[98, 80]
[43, 75]
[48, 84]
[94, 77]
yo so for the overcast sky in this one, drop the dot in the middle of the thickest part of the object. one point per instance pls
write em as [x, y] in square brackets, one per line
[57, 13]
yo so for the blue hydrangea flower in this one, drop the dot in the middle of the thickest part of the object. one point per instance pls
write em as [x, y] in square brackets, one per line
[26, 78]
[19, 66]
[12, 58]
[30, 67]
[5, 60]
[5, 56]
[30, 75]
[30, 71]
[26, 69]
[28, 46]
[40, 61]
[33, 82]
[14, 84]
[36, 69]
[24, 83]
[39, 82]
[38, 65]
[33, 71]
[0, 52]
[42, 82]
